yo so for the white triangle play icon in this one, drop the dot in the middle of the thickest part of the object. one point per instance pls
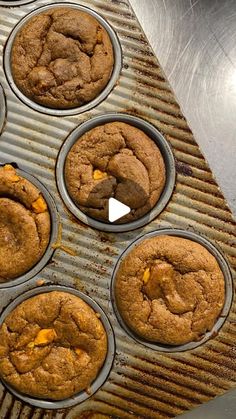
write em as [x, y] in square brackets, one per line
[116, 210]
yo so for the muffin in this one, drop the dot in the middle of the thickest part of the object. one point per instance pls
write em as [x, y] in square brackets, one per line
[169, 290]
[115, 160]
[62, 58]
[52, 346]
[24, 224]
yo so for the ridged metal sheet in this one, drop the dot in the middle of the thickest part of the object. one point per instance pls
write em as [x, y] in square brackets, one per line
[143, 383]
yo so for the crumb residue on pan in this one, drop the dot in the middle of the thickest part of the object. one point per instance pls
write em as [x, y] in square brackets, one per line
[170, 290]
[58, 244]
[183, 168]
[62, 58]
[24, 224]
[40, 282]
[52, 346]
[115, 160]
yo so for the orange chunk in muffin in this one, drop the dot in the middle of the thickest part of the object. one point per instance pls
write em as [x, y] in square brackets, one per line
[45, 336]
[39, 205]
[98, 174]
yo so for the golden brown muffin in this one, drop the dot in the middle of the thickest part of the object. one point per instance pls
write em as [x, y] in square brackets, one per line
[115, 160]
[52, 346]
[62, 58]
[24, 224]
[170, 290]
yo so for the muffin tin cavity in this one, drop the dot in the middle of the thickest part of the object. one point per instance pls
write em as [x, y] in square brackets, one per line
[104, 370]
[54, 105]
[37, 221]
[166, 188]
[2, 109]
[180, 306]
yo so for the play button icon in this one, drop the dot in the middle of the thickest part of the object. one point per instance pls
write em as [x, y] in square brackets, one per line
[116, 210]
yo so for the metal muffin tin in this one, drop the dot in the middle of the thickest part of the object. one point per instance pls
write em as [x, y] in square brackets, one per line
[151, 132]
[2, 109]
[228, 289]
[53, 236]
[103, 373]
[14, 2]
[143, 382]
[79, 109]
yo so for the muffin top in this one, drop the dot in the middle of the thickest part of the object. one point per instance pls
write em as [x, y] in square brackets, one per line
[169, 290]
[52, 346]
[62, 58]
[115, 160]
[24, 224]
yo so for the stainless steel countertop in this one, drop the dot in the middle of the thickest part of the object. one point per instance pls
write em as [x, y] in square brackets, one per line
[195, 42]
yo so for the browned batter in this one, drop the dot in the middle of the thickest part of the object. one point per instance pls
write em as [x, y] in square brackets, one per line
[52, 346]
[170, 290]
[115, 160]
[62, 58]
[24, 224]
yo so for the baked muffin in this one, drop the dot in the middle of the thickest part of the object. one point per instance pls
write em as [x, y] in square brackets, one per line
[62, 58]
[24, 224]
[115, 160]
[170, 290]
[52, 346]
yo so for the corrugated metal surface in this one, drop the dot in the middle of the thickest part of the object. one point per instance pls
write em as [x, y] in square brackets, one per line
[143, 383]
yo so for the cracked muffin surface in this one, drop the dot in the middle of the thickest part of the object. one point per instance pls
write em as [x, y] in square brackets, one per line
[62, 58]
[52, 346]
[25, 224]
[170, 290]
[115, 160]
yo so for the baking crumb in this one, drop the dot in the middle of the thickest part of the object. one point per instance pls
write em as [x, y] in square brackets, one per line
[59, 236]
[59, 245]
[88, 390]
[40, 282]
[64, 248]
[98, 315]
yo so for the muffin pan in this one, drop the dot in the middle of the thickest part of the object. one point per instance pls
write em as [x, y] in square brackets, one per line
[152, 133]
[2, 109]
[76, 110]
[12, 3]
[143, 382]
